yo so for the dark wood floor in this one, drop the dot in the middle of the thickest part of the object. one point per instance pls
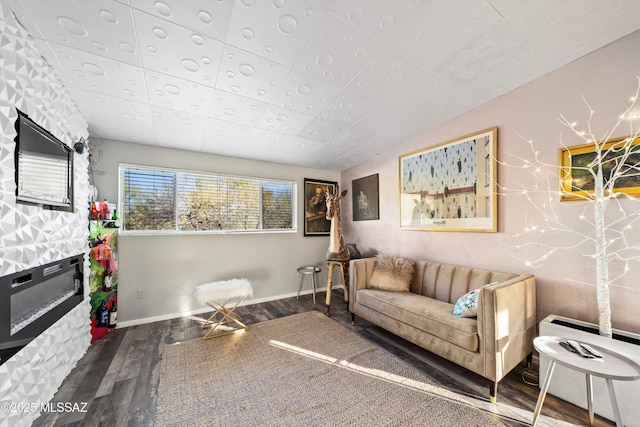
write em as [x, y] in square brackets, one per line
[119, 375]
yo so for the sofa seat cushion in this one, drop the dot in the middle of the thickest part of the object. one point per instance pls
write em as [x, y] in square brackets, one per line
[427, 314]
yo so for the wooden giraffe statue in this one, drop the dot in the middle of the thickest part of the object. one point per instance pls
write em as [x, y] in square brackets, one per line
[338, 250]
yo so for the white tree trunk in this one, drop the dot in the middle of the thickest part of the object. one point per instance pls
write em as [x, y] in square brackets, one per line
[602, 264]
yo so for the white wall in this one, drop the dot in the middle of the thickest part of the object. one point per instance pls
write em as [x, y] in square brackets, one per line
[565, 282]
[169, 268]
[31, 236]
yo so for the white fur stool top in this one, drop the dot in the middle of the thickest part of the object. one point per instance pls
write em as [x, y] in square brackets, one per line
[223, 290]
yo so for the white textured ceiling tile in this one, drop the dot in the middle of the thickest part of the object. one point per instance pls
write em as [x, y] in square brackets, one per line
[319, 160]
[325, 4]
[384, 76]
[521, 69]
[100, 74]
[339, 148]
[546, 19]
[322, 130]
[377, 18]
[427, 89]
[304, 146]
[382, 127]
[210, 18]
[178, 94]
[486, 52]
[270, 140]
[83, 103]
[444, 28]
[178, 129]
[317, 83]
[52, 59]
[95, 130]
[589, 34]
[281, 120]
[24, 17]
[131, 132]
[304, 93]
[102, 27]
[575, 45]
[277, 30]
[171, 49]
[505, 7]
[438, 98]
[210, 147]
[338, 52]
[237, 109]
[220, 132]
[116, 110]
[279, 157]
[249, 75]
[347, 107]
[359, 133]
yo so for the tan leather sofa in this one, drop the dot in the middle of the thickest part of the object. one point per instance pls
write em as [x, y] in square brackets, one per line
[490, 345]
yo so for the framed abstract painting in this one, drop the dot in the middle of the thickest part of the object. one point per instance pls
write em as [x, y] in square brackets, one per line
[451, 186]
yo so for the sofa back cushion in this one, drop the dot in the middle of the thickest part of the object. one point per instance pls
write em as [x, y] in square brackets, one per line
[447, 282]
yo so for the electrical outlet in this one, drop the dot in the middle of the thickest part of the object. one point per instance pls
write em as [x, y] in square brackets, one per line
[140, 293]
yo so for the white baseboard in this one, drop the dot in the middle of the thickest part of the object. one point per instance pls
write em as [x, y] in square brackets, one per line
[170, 316]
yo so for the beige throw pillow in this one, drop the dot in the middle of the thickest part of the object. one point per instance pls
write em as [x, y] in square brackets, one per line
[391, 274]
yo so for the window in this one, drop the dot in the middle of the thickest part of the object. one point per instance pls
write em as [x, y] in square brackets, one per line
[154, 199]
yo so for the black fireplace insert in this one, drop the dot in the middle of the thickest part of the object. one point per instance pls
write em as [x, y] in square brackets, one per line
[33, 300]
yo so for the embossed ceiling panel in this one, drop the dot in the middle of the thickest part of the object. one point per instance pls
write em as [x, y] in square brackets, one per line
[277, 30]
[315, 83]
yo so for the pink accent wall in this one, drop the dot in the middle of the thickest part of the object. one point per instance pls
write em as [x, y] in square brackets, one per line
[566, 280]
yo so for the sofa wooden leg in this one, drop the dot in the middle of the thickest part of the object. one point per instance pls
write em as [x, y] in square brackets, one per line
[353, 319]
[493, 391]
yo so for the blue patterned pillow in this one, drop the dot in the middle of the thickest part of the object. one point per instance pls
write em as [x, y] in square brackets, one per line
[467, 304]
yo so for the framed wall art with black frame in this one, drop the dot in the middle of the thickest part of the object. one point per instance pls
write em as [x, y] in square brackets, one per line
[315, 206]
[451, 186]
[366, 203]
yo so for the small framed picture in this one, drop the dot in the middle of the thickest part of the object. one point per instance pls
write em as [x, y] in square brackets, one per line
[577, 181]
[315, 206]
[366, 203]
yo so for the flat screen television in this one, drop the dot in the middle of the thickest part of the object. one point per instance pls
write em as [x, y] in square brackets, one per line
[44, 167]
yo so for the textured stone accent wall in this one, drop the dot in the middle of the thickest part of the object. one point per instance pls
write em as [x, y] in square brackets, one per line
[32, 236]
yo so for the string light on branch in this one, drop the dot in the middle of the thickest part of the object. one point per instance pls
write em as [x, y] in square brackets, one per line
[599, 185]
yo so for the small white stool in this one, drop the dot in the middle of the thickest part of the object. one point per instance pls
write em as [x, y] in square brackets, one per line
[306, 271]
[217, 295]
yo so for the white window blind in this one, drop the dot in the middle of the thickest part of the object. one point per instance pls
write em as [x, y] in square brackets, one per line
[43, 177]
[154, 199]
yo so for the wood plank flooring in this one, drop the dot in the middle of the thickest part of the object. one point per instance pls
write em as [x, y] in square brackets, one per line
[119, 375]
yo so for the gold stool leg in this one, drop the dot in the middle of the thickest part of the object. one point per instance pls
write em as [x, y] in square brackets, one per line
[228, 316]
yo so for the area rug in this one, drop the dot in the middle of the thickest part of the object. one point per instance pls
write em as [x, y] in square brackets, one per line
[301, 370]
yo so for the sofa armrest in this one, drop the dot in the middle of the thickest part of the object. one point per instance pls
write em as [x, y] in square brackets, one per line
[506, 324]
[360, 271]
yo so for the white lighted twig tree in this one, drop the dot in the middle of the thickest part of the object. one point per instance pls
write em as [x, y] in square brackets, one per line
[594, 175]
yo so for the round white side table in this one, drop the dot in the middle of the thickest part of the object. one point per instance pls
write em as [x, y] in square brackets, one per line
[612, 366]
